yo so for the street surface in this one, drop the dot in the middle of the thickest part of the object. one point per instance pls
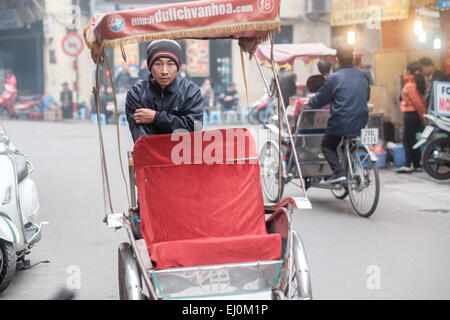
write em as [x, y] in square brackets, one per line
[401, 252]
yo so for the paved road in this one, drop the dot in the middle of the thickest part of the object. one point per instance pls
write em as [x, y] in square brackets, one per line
[401, 252]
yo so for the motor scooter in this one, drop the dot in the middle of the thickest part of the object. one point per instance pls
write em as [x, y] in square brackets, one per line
[436, 153]
[262, 110]
[19, 208]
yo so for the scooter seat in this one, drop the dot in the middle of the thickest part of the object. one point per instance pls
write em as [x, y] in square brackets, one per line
[21, 167]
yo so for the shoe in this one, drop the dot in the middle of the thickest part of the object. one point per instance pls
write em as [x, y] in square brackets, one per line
[336, 178]
[405, 169]
[418, 169]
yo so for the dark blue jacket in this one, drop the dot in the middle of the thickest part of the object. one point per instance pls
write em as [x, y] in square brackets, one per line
[347, 91]
[179, 106]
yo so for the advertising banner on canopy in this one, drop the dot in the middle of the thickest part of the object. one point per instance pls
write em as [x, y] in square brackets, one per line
[348, 12]
[249, 19]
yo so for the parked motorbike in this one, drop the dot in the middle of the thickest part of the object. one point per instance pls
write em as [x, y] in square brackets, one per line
[262, 110]
[19, 208]
[436, 153]
[27, 104]
[8, 100]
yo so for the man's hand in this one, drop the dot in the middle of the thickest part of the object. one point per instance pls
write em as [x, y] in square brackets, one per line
[142, 116]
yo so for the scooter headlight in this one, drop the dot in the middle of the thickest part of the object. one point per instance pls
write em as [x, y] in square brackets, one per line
[8, 195]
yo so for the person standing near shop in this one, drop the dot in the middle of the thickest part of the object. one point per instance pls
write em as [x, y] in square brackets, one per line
[66, 99]
[413, 108]
[432, 75]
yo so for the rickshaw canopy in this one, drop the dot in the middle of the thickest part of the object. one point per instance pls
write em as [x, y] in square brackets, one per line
[288, 53]
[250, 21]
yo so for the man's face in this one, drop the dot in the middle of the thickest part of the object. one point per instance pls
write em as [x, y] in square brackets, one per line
[164, 71]
[427, 69]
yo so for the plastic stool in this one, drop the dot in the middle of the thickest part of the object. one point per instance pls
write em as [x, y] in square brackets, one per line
[122, 119]
[34, 116]
[81, 113]
[205, 118]
[215, 117]
[243, 115]
[102, 119]
[230, 114]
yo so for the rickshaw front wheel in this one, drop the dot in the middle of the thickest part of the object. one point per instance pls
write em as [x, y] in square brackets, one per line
[300, 281]
[130, 285]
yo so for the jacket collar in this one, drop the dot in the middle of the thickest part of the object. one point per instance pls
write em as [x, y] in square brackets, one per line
[171, 87]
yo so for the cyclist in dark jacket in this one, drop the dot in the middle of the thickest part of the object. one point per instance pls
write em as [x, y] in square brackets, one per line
[163, 102]
[347, 91]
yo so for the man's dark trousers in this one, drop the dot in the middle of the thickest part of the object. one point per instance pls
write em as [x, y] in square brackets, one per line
[329, 146]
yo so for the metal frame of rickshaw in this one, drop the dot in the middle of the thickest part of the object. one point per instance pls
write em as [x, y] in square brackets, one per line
[320, 168]
[288, 278]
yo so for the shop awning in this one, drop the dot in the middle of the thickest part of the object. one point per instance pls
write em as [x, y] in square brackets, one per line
[251, 20]
[349, 12]
[287, 53]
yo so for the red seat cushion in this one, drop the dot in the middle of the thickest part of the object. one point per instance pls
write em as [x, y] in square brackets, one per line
[211, 251]
[188, 208]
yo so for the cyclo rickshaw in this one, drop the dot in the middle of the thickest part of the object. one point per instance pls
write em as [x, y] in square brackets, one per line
[199, 229]
[359, 162]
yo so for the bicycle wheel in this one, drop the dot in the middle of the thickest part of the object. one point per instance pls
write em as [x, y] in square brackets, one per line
[363, 181]
[269, 163]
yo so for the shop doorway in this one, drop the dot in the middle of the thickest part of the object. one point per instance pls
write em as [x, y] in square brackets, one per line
[21, 51]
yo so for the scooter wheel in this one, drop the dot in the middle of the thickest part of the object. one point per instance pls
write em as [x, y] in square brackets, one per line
[437, 169]
[8, 262]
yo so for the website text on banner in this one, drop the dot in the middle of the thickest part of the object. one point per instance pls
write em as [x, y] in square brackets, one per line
[112, 29]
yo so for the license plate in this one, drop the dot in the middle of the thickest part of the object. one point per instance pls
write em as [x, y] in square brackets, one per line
[427, 132]
[369, 136]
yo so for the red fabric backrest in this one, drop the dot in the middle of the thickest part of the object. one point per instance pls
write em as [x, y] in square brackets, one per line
[191, 186]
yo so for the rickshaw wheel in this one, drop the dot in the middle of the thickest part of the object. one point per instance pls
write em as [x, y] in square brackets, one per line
[130, 285]
[364, 184]
[300, 280]
[269, 163]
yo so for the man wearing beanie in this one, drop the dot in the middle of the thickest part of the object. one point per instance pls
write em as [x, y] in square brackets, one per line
[164, 102]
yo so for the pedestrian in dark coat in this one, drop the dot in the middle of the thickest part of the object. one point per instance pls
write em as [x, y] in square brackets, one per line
[432, 75]
[347, 91]
[66, 100]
